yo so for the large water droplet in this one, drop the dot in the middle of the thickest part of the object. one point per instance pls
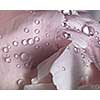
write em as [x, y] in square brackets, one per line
[37, 22]
[20, 82]
[24, 56]
[15, 43]
[26, 30]
[5, 49]
[18, 66]
[24, 42]
[36, 39]
[37, 31]
[30, 41]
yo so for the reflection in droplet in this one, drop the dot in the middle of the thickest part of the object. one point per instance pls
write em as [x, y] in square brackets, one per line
[36, 39]
[30, 41]
[37, 31]
[5, 49]
[15, 43]
[26, 30]
[8, 60]
[24, 42]
[37, 22]
[24, 56]
[20, 82]
[18, 66]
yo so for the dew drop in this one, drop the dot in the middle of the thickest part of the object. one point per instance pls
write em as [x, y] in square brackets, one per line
[30, 41]
[97, 38]
[36, 39]
[15, 43]
[82, 55]
[24, 42]
[9, 46]
[8, 60]
[20, 82]
[5, 49]
[24, 56]
[37, 31]
[37, 22]
[26, 65]
[18, 66]
[26, 30]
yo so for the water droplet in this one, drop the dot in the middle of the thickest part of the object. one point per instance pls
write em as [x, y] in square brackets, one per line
[64, 24]
[9, 46]
[37, 31]
[37, 22]
[8, 60]
[15, 43]
[1, 36]
[24, 42]
[83, 56]
[16, 55]
[66, 12]
[76, 49]
[36, 39]
[47, 35]
[36, 46]
[97, 38]
[63, 68]
[96, 33]
[30, 41]
[5, 49]
[99, 42]
[20, 82]
[18, 66]
[24, 56]
[26, 30]
[85, 30]
[26, 65]
[47, 43]
[66, 35]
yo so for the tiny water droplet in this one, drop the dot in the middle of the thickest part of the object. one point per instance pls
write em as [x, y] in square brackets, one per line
[85, 30]
[15, 43]
[9, 46]
[63, 68]
[5, 49]
[18, 66]
[36, 46]
[26, 30]
[47, 35]
[8, 60]
[97, 38]
[36, 39]
[37, 31]
[83, 56]
[24, 42]
[20, 82]
[16, 55]
[37, 22]
[30, 41]
[26, 65]
[66, 35]
[1, 36]
[24, 56]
